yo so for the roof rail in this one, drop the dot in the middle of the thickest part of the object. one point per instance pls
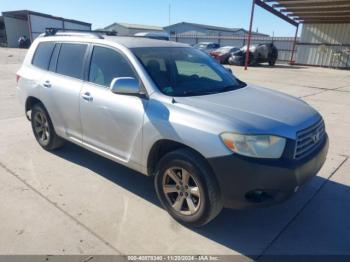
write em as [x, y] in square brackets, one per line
[78, 32]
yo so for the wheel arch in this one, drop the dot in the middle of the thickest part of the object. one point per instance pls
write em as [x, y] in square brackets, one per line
[161, 148]
[30, 102]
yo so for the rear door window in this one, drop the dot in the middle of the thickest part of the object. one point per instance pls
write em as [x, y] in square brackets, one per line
[71, 59]
[43, 54]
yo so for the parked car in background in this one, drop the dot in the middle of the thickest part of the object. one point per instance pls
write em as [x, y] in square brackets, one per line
[23, 42]
[261, 53]
[170, 111]
[154, 35]
[223, 53]
[207, 47]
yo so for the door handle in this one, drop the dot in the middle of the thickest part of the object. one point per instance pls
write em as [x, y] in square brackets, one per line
[87, 96]
[47, 84]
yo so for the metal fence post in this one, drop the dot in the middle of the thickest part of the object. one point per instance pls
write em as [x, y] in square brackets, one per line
[249, 36]
[294, 45]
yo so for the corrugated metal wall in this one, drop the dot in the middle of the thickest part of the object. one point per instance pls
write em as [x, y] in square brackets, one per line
[325, 45]
[40, 23]
[15, 28]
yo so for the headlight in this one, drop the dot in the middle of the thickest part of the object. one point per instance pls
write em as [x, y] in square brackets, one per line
[260, 146]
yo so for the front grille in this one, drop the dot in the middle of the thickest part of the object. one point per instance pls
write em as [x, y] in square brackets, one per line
[308, 139]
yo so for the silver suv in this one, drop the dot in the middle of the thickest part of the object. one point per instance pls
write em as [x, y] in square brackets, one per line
[168, 110]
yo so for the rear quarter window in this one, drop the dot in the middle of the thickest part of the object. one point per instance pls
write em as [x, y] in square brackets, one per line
[71, 59]
[43, 54]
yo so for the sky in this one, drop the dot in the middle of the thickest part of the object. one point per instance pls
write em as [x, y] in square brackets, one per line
[227, 13]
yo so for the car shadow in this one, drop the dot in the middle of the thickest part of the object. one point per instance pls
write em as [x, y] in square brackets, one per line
[322, 229]
[278, 66]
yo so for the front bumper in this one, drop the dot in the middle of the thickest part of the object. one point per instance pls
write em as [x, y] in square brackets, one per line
[247, 182]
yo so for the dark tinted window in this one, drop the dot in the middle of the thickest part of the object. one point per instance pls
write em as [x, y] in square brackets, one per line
[54, 56]
[42, 55]
[107, 64]
[70, 60]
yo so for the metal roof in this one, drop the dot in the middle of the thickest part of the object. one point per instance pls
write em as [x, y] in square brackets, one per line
[313, 11]
[210, 27]
[23, 14]
[216, 28]
[135, 26]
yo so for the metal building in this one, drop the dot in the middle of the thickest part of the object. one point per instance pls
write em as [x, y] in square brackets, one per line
[2, 32]
[31, 24]
[132, 29]
[185, 28]
[325, 36]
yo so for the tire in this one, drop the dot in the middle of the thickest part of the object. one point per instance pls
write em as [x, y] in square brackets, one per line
[43, 129]
[252, 61]
[202, 192]
[230, 61]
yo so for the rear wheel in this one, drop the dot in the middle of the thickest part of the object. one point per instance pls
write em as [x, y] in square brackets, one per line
[43, 129]
[230, 61]
[187, 188]
[272, 62]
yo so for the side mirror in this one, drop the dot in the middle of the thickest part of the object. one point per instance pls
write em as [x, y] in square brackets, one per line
[125, 85]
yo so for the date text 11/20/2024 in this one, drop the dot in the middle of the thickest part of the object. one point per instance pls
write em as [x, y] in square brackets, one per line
[173, 258]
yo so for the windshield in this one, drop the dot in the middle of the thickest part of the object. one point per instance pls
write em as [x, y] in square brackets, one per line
[185, 71]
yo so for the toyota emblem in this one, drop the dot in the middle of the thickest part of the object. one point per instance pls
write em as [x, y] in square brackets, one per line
[316, 137]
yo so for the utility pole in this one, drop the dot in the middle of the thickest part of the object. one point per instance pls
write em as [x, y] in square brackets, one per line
[169, 14]
[249, 36]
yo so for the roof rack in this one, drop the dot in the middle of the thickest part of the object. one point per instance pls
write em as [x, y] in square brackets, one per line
[77, 32]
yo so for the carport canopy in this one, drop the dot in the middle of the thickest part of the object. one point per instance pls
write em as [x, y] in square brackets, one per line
[298, 12]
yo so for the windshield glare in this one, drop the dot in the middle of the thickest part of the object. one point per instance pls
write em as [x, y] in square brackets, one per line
[185, 71]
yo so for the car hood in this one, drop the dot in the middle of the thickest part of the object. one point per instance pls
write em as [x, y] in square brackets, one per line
[256, 110]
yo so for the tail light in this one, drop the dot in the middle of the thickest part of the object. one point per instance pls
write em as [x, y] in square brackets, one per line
[18, 77]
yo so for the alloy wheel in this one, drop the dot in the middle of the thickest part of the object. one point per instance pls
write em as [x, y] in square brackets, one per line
[181, 191]
[41, 128]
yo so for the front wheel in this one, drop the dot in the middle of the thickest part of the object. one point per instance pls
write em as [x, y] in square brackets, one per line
[187, 189]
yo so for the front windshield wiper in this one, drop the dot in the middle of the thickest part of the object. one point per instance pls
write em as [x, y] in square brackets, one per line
[233, 87]
[227, 88]
[197, 93]
[202, 93]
